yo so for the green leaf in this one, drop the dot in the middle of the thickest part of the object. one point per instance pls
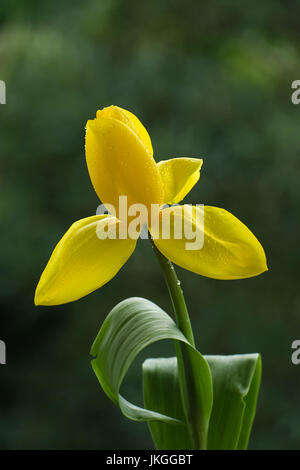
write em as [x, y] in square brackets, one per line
[236, 381]
[196, 390]
[162, 393]
[131, 326]
[251, 402]
[136, 323]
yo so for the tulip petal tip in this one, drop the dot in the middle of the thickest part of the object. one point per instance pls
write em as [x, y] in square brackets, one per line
[36, 301]
[37, 298]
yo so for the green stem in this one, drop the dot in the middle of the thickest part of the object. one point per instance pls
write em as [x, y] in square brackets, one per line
[176, 294]
[182, 350]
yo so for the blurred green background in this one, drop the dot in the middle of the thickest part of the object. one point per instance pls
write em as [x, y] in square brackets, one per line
[208, 79]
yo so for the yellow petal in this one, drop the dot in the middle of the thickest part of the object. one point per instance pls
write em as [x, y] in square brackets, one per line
[120, 164]
[229, 251]
[179, 175]
[81, 262]
[129, 119]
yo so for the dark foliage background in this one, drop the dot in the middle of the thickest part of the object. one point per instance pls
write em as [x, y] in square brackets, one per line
[208, 79]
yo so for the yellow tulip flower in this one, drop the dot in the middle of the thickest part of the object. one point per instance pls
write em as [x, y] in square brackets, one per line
[120, 161]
